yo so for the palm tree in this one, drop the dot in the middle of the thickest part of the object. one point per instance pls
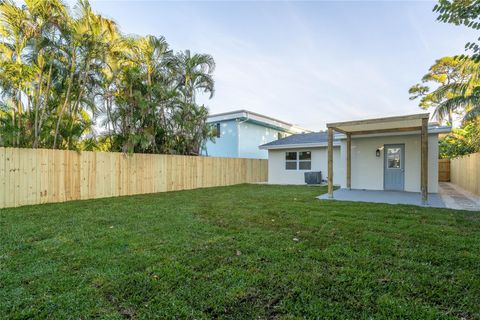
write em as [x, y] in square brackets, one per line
[61, 70]
[16, 32]
[462, 95]
[45, 17]
[154, 56]
[86, 39]
[456, 80]
[194, 73]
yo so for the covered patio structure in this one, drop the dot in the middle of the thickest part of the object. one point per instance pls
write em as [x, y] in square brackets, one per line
[399, 125]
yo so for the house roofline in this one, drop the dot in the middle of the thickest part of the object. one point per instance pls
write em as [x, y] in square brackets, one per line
[256, 117]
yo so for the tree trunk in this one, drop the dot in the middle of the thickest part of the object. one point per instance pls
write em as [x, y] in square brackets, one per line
[20, 112]
[45, 104]
[67, 96]
[81, 84]
[36, 106]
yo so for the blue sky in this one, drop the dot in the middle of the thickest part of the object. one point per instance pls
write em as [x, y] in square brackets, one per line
[303, 62]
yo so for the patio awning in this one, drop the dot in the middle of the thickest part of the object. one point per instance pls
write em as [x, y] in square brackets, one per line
[381, 125]
[407, 123]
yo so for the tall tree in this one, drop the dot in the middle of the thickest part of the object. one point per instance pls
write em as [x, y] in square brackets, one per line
[458, 78]
[461, 12]
[461, 141]
[61, 70]
[456, 83]
[447, 76]
[45, 17]
[16, 75]
[194, 73]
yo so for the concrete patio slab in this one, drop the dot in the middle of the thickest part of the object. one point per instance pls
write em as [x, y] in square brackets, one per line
[381, 196]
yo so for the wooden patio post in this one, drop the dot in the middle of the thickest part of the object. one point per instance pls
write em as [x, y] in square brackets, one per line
[330, 162]
[424, 161]
[349, 160]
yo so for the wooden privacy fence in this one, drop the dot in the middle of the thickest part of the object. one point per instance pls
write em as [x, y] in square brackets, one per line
[444, 170]
[465, 172]
[34, 176]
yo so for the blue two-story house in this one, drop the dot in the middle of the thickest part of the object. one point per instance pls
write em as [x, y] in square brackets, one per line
[240, 133]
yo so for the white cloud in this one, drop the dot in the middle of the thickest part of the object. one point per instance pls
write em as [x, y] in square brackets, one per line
[310, 90]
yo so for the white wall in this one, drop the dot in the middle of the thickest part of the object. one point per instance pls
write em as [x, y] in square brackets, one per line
[277, 174]
[252, 135]
[367, 169]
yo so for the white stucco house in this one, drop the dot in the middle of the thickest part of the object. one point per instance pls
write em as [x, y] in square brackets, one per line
[373, 154]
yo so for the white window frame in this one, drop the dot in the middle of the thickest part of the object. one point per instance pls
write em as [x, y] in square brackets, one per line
[297, 160]
[291, 161]
[304, 161]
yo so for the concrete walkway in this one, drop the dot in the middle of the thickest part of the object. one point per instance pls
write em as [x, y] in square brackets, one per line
[455, 197]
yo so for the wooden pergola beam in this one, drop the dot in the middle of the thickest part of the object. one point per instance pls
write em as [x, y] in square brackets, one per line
[339, 130]
[349, 160]
[380, 120]
[389, 130]
[330, 162]
[376, 131]
[424, 162]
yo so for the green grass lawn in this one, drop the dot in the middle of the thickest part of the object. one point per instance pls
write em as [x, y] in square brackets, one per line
[247, 251]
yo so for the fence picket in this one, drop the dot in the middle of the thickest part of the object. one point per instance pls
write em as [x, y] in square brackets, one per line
[465, 172]
[34, 176]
